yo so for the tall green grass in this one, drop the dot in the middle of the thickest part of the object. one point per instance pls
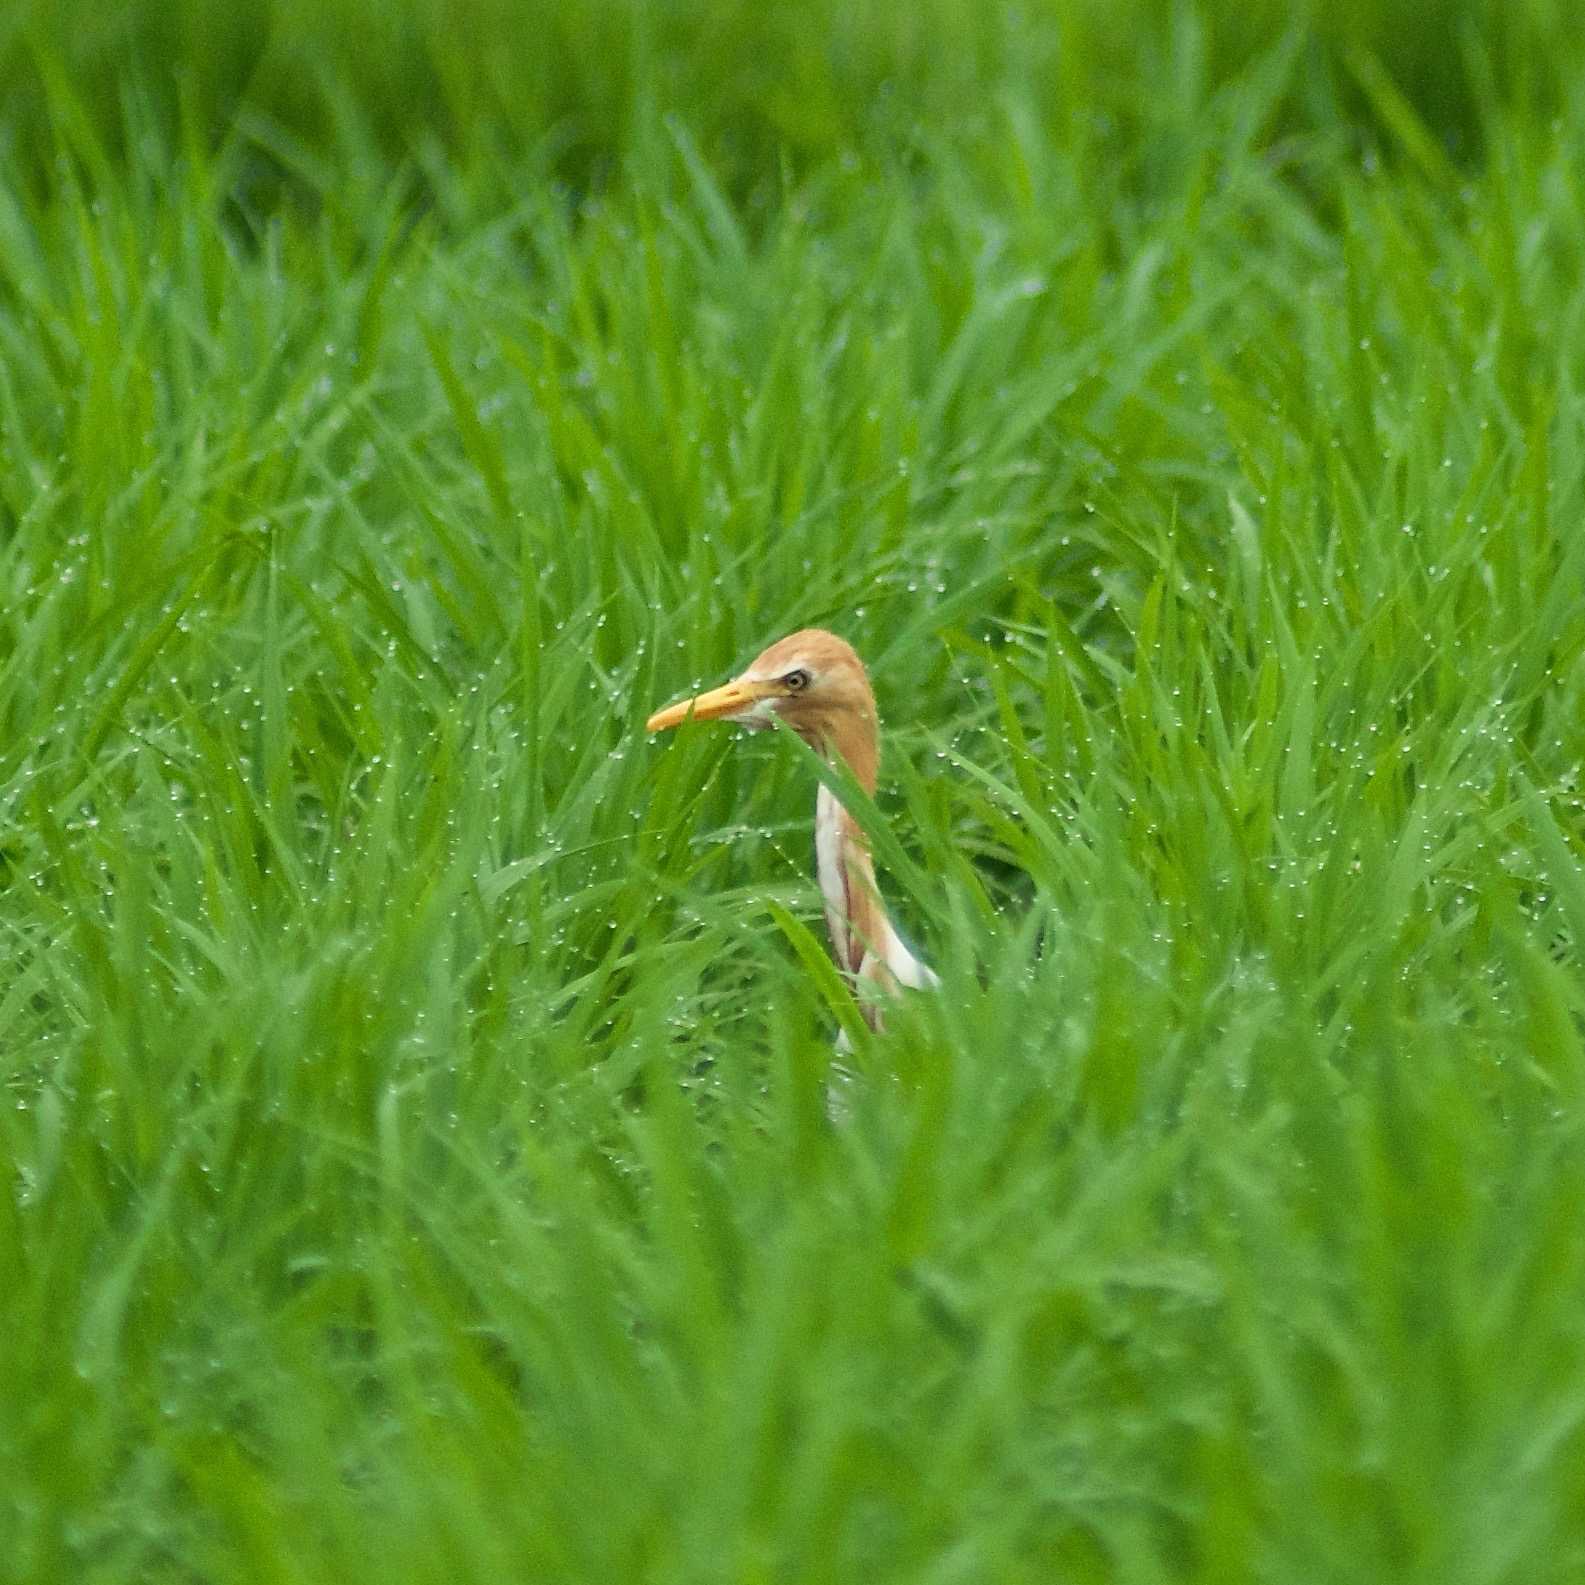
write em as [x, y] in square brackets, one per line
[417, 1152]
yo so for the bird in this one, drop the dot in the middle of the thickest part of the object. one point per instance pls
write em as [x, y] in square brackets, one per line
[815, 683]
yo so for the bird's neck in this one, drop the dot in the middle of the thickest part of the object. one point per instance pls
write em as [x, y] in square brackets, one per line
[854, 912]
[853, 740]
[867, 948]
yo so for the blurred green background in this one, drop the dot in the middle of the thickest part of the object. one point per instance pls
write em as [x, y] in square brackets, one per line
[581, 85]
[416, 1144]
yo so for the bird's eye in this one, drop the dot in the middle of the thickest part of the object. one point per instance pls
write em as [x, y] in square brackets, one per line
[796, 681]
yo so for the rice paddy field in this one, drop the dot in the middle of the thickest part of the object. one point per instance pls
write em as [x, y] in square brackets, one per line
[418, 1161]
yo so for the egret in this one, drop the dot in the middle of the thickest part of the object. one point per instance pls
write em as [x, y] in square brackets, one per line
[814, 682]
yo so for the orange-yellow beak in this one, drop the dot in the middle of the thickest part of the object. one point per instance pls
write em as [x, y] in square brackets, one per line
[729, 699]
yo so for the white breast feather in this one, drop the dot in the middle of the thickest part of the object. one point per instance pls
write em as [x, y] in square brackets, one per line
[828, 870]
[890, 950]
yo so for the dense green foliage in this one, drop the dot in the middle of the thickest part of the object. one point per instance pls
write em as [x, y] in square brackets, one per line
[416, 1147]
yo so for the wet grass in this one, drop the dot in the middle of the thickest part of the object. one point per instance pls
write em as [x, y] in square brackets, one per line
[418, 1166]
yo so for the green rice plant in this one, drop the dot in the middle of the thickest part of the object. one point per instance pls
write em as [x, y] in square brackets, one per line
[420, 1149]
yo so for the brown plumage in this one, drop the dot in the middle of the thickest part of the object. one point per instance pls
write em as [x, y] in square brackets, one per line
[814, 682]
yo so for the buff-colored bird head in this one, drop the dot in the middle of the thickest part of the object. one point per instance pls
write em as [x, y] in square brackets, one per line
[814, 682]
